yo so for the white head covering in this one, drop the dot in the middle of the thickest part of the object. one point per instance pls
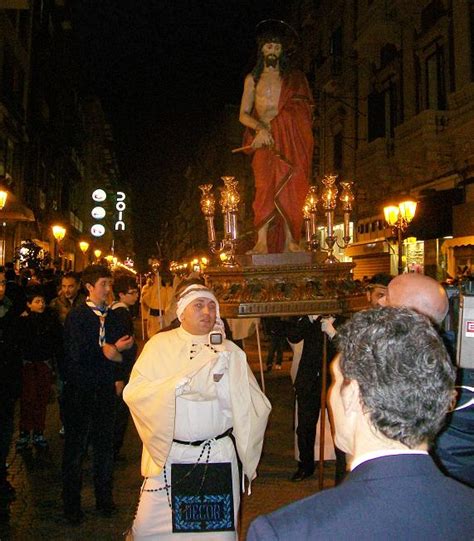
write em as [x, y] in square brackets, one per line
[198, 291]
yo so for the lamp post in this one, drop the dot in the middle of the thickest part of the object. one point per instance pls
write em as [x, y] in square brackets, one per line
[3, 202]
[84, 246]
[398, 217]
[59, 232]
[97, 254]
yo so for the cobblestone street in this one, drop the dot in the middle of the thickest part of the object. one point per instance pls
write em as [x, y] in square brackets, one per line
[36, 475]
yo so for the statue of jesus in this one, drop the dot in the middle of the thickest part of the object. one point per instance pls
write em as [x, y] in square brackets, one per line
[276, 109]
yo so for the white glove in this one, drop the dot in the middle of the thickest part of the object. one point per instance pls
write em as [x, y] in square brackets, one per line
[327, 326]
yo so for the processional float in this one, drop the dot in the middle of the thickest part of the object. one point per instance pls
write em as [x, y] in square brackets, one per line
[313, 281]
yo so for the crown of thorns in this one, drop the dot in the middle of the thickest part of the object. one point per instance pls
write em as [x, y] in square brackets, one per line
[277, 31]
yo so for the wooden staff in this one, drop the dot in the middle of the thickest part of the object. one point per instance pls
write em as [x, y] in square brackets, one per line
[322, 427]
[141, 310]
[159, 299]
[262, 378]
[241, 149]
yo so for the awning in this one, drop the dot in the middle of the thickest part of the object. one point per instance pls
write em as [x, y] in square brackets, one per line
[367, 248]
[448, 249]
[15, 211]
[457, 242]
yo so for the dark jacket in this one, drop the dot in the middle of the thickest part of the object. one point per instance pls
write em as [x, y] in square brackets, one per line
[41, 337]
[121, 324]
[10, 358]
[312, 355]
[390, 498]
[84, 363]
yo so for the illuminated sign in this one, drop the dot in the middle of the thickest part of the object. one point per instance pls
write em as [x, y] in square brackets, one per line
[98, 213]
[99, 195]
[97, 230]
[120, 206]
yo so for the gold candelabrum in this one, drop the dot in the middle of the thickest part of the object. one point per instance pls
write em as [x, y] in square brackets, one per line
[229, 203]
[328, 201]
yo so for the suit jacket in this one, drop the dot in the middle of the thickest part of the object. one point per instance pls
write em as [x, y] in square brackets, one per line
[402, 497]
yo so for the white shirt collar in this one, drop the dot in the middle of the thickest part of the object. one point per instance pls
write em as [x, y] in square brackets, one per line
[194, 338]
[385, 452]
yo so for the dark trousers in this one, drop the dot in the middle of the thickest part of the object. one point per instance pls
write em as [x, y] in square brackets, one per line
[277, 343]
[122, 415]
[308, 398]
[7, 413]
[36, 390]
[89, 417]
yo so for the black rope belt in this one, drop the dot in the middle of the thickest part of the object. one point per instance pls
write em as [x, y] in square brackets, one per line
[197, 443]
[156, 312]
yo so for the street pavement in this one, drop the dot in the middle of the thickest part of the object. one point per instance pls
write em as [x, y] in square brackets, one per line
[36, 513]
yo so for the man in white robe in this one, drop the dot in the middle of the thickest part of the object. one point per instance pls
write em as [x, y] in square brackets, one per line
[187, 394]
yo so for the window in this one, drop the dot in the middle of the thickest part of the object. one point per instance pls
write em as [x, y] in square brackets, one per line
[383, 112]
[435, 84]
[337, 151]
[335, 50]
[431, 13]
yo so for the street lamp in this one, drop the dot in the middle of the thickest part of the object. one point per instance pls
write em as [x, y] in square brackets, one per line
[97, 254]
[59, 233]
[398, 217]
[3, 202]
[3, 198]
[84, 246]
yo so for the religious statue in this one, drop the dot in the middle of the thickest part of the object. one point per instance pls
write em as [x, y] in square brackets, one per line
[276, 109]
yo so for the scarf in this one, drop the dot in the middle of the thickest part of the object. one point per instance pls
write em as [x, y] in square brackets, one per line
[101, 313]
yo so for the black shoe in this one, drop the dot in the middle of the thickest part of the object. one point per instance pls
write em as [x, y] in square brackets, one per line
[301, 474]
[106, 509]
[74, 518]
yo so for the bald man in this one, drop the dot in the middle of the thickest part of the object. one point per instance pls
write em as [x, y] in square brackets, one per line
[454, 447]
[418, 292]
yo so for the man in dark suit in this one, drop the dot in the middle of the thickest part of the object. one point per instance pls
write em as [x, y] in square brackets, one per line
[392, 388]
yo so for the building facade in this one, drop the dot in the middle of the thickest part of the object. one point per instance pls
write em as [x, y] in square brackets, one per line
[394, 85]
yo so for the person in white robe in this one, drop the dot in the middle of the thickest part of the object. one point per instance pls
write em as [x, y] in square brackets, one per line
[193, 401]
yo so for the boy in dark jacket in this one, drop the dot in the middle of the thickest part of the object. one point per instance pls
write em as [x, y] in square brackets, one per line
[89, 372]
[40, 344]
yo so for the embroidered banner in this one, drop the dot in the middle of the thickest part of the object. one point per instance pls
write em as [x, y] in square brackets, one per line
[201, 497]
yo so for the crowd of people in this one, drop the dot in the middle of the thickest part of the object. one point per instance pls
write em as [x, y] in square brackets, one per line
[60, 329]
[202, 417]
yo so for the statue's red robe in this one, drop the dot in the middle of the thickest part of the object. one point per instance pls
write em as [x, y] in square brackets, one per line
[282, 173]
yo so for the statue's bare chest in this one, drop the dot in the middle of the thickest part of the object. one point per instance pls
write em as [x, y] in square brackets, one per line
[268, 91]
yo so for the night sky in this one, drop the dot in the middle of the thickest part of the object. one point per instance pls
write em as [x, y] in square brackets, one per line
[162, 69]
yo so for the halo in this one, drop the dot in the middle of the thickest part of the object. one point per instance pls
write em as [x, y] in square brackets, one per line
[279, 28]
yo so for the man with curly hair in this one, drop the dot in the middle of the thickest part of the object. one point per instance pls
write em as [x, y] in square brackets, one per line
[392, 388]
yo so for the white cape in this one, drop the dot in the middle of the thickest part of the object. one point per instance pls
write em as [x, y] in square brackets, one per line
[163, 367]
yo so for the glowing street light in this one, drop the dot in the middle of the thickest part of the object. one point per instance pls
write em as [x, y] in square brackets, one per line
[3, 198]
[84, 246]
[97, 253]
[59, 232]
[398, 218]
